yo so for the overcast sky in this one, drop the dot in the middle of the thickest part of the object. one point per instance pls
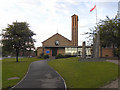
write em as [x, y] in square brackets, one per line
[47, 17]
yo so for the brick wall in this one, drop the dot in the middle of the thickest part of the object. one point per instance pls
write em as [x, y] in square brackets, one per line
[51, 41]
[39, 51]
[61, 51]
[48, 49]
[107, 51]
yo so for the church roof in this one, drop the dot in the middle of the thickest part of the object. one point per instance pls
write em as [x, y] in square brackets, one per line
[56, 34]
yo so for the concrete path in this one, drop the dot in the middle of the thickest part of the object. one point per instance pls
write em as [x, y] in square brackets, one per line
[113, 84]
[114, 61]
[41, 75]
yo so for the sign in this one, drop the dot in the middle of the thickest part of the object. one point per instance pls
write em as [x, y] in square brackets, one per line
[47, 51]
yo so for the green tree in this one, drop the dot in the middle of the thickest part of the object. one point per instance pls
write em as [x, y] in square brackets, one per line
[17, 37]
[109, 30]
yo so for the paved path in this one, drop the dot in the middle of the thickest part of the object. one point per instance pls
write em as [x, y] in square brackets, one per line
[114, 61]
[41, 75]
[113, 84]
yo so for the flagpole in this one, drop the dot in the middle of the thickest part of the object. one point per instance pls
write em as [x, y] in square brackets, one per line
[96, 14]
[97, 45]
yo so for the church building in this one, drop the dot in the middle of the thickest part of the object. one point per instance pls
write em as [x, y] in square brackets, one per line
[58, 44]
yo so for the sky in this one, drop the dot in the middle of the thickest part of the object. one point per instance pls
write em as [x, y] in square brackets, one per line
[47, 17]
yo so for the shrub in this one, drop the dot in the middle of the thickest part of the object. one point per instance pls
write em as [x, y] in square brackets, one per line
[116, 52]
[64, 56]
[67, 56]
[59, 56]
[106, 55]
[46, 56]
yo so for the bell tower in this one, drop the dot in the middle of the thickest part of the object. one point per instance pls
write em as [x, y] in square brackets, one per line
[75, 30]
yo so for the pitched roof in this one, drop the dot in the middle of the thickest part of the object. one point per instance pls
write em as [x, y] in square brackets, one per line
[56, 34]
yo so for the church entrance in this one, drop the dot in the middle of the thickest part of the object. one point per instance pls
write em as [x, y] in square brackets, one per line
[54, 51]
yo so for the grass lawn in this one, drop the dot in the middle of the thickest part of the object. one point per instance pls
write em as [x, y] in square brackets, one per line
[11, 68]
[85, 74]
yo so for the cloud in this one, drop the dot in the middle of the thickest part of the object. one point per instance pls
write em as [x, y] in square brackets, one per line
[47, 16]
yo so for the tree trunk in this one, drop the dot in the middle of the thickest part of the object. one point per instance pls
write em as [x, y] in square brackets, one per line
[17, 54]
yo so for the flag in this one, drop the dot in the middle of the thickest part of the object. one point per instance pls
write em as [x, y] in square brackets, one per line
[93, 8]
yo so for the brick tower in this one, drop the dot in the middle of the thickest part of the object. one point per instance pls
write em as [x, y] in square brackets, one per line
[75, 30]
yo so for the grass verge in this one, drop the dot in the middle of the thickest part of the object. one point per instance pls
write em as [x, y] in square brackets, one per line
[11, 68]
[85, 74]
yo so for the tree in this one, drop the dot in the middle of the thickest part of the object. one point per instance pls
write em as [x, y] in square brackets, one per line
[91, 36]
[17, 37]
[109, 30]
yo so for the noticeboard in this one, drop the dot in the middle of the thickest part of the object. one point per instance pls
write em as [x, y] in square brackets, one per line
[47, 51]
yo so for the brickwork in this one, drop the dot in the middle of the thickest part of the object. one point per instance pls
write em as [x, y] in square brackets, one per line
[39, 51]
[107, 52]
[48, 49]
[75, 30]
[62, 40]
[61, 51]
